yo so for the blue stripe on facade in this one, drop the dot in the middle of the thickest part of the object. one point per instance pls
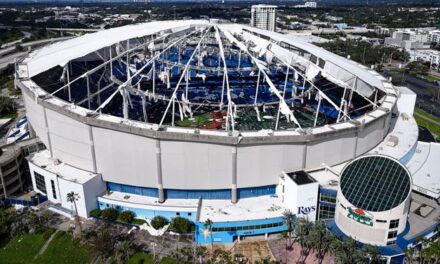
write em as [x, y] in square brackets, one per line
[146, 213]
[132, 189]
[196, 194]
[328, 191]
[328, 204]
[240, 228]
[222, 194]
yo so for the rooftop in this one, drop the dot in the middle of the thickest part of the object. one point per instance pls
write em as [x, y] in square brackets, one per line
[45, 161]
[300, 177]
[245, 209]
[425, 169]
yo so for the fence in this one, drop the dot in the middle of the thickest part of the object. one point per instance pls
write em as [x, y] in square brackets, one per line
[32, 202]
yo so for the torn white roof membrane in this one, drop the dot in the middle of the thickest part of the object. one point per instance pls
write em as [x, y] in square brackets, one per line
[60, 53]
[343, 63]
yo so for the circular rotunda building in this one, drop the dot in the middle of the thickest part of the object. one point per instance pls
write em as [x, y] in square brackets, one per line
[373, 199]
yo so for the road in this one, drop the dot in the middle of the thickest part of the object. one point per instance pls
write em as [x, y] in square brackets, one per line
[421, 88]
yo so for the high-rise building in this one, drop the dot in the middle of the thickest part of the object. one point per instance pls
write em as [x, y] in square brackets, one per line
[264, 17]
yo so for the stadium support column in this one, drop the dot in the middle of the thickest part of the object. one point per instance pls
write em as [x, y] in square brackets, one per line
[160, 190]
[234, 194]
[47, 132]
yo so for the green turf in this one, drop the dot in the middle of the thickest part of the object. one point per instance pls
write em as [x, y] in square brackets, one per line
[141, 258]
[64, 249]
[199, 120]
[22, 249]
[426, 114]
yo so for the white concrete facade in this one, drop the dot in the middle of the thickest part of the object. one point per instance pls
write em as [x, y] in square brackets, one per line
[58, 182]
[379, 228]
[300, 199]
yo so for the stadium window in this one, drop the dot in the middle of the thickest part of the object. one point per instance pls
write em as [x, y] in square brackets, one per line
[327, 198]
[189, 214]
[326, 212]
[40, 183]
[381, 221]
[54, 193]
[342, 206]
[177, 213]
[394, 223]
[392, 234]
[391, 242]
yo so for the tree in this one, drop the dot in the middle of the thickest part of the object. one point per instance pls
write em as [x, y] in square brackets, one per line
[126, 216]
[372, 253]
[288, 220]
[110, 214]
[124, 250]
[103, 244]
[302, 232]
[72, 197]
[201, 252]
[208, 228]
[159, 221]
[7, 106]
[180, 225]
[347, 252]
[285, 235]
[321, 239]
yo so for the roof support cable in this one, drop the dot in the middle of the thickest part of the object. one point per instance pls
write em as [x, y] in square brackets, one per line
[285, 110]
[173, 97]
[139, 71]
[225, 80]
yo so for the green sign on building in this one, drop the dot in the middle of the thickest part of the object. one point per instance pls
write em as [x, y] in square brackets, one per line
[360, 216]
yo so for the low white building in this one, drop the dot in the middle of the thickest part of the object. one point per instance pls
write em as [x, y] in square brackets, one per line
[408, 39]
[434, 36]
[55, 180]
[307, 5]
[429, 55]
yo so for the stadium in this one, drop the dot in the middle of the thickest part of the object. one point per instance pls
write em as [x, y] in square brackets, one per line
[205, 119]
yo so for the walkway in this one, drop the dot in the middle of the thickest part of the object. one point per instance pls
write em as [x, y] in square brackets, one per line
[47, 244]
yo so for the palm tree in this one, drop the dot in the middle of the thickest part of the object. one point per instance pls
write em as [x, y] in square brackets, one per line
[288, 220]
[72, 197]
[302, 232]
[372, 253]
[321, 239]
[285, 235]
[208, 226]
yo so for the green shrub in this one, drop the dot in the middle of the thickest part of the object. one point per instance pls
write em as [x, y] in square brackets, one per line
[138, 221]
[110, 214]
[95, 212]
[180, 225]
[159, 221]
[126, 216]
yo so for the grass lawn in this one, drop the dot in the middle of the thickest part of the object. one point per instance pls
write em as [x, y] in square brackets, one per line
[428, 115]
[435, 129]
[141, 258]
[64, 249]
[432, 78]
[22, 249]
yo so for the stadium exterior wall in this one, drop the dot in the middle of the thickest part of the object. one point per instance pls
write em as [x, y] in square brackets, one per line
[131, 155]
